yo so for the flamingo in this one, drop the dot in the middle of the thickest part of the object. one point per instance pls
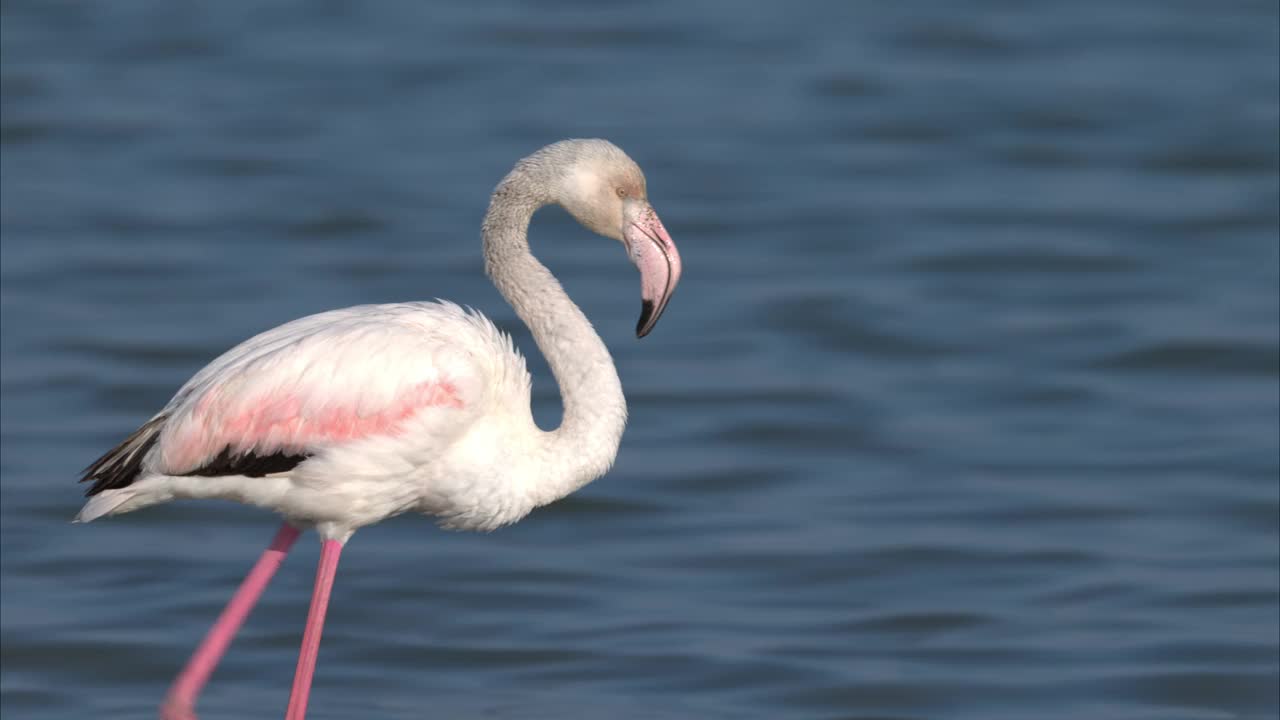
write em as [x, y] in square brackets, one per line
[345, 418]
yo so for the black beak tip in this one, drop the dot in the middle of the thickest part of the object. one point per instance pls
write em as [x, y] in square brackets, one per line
[646, 313]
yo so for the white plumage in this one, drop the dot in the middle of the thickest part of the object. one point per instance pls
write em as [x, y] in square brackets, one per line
[347, 388]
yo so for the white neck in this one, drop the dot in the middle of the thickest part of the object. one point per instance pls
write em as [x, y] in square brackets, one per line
[595, 411]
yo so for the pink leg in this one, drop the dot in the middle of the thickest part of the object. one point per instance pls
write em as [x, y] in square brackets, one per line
[329, 552]
[181, 700]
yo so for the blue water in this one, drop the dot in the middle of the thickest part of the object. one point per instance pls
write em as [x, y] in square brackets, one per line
[967, 406]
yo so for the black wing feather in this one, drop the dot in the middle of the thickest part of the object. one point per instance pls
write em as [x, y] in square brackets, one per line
[248, 464]
[122, 465]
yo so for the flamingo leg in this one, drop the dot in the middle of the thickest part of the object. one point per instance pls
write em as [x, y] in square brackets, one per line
[327, 568]
[181, 701]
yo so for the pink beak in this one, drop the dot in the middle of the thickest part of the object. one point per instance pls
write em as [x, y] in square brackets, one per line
[655, 254]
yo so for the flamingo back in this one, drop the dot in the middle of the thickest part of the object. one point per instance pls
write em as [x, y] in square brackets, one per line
[396, 382]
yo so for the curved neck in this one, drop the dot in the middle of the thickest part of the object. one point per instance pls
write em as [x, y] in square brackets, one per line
[595, 411]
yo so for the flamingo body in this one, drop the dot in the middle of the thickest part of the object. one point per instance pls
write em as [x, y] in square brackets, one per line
[390, 408]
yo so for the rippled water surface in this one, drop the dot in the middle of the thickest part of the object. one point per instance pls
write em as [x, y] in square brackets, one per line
[966, 407]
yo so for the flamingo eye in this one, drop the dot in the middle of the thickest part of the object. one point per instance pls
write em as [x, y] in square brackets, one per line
[622, 192]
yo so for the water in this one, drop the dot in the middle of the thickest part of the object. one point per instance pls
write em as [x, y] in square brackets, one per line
[966, 408]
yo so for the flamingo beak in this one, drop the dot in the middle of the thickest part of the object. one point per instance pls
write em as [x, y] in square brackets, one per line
[655, 255]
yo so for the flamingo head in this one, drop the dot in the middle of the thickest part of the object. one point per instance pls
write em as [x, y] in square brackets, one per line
[605, 191]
